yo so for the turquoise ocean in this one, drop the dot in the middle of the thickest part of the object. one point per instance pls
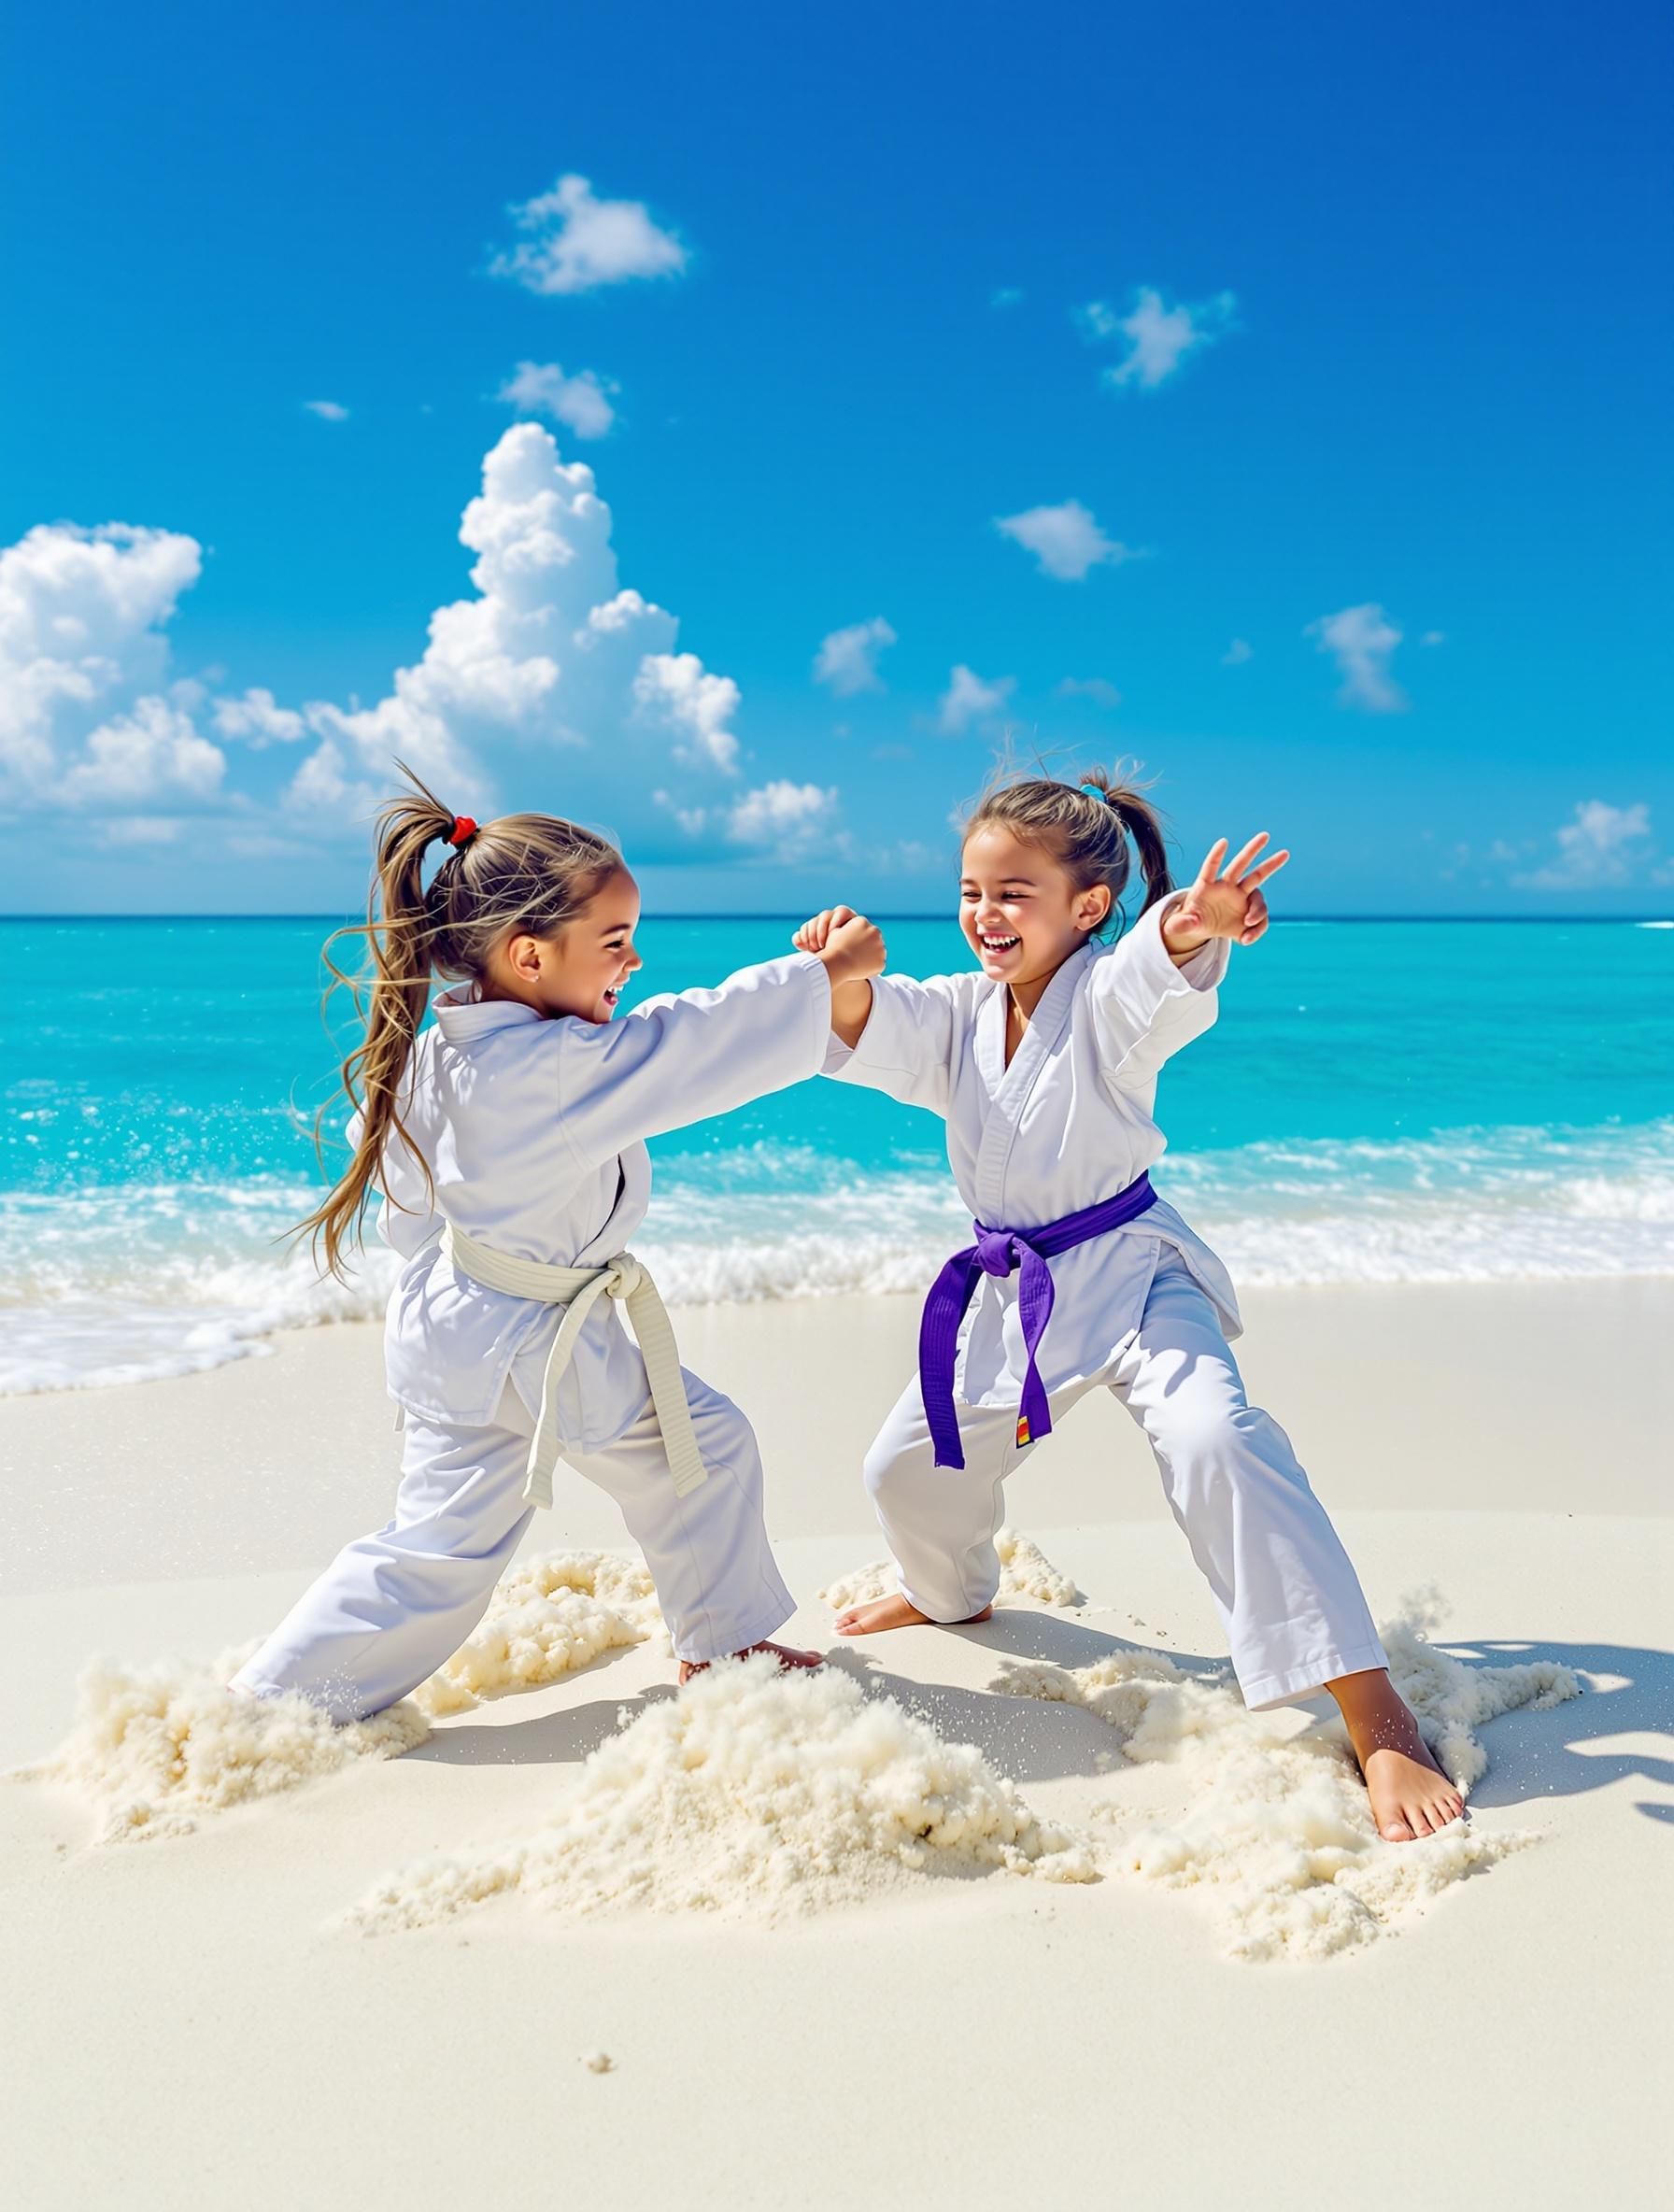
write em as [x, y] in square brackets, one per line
[1378, 1103]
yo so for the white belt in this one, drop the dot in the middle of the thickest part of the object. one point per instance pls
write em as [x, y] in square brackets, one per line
[577, 1290]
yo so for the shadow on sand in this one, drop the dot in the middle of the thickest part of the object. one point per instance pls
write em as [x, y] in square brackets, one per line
[1559, 1752]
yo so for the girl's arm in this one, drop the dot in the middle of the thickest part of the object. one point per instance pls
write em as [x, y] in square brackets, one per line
[1156, 989]
[678, 1058]
[892, 1033]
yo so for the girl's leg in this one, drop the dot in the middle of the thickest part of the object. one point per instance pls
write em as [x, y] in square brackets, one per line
[392, 1607]
[939, 1521]
[1289, 1599]
[1291, 1603]
[718, 1583]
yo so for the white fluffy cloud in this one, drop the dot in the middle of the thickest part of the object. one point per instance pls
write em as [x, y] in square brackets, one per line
[847, 659]
[327, 410]
[1158, 336]
[1362, 641]
[1604, 845]
[550, 684]
[582, 401]
[970, 697]
[1066, 540]
[576, 242]
[259, 720]
[152, 753]
[551, 652]
[785, 820]
[84, 716]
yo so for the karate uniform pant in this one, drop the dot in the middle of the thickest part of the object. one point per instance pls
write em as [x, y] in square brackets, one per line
[1288, 1597]
[392, 1607]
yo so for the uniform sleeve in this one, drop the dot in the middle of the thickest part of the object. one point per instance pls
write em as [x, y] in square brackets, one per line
[677, 1058]
[1145, 1008]
[911, 1041]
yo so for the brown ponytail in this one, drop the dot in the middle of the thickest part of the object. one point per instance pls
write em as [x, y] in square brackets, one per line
[523, 873]
[1084, 834]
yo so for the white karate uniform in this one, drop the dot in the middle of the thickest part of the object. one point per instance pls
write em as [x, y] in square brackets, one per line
[534, 1131]
[1145, 1309]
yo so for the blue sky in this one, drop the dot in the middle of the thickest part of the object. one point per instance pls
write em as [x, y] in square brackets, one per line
[1314, 335]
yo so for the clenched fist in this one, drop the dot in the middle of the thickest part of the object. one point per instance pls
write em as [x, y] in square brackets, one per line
[851, 947]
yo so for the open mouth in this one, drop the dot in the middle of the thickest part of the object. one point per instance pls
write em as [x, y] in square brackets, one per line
[613, 995]
[997, 944]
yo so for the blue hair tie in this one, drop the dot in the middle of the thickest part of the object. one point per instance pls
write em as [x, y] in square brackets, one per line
[1096, 792]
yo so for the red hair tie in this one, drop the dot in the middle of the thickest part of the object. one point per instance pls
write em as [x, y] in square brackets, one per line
[463, 829]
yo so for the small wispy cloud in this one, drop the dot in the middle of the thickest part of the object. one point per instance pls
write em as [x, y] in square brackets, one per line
[1362, 641]
[969, 698]
[1158, 336]
[1602, 846]
[847, 659]
[260, 720]
[582, 401]
[1097, 688]
[327, 410]
[1433, 637]
[577, 242]
[1005, 295]
[1237, 653]
[1065, 540]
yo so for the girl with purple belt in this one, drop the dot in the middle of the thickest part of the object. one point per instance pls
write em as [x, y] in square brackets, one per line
[1043, 1063]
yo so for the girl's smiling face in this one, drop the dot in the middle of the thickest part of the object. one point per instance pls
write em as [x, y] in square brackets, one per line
[1020, 909]
[582, 970]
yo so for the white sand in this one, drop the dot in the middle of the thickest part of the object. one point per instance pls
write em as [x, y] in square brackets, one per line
[201, 2023]
[751, 1793]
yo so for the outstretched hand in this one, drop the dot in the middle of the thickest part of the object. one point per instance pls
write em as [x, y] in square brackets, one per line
[1223, 901]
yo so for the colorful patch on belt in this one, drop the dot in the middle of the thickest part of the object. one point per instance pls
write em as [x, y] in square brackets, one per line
[1023, 1430]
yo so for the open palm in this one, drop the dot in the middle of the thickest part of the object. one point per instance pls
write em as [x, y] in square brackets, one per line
[1225, 900]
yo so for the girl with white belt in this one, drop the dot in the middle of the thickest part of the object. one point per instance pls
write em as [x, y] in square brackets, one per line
[507, 1143]
[1043, 1062]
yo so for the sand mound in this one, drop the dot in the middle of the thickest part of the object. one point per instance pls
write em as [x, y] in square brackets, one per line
[752, 1792]
[1025, 1572]
[545, 1618]
[156, 1748]
[1277, 1838]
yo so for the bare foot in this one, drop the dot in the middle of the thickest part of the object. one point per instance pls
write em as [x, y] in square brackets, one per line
[1411, 1796]
[895, 1612]
[787, 1654]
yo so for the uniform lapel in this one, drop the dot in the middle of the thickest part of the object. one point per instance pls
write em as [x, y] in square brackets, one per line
[1009, 1087]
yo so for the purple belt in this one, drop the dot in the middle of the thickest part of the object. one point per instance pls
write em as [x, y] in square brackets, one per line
[1004, 1252]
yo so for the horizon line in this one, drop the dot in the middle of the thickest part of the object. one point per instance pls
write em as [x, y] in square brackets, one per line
[939, 915]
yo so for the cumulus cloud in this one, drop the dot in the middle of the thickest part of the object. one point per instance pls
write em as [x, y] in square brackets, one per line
[1362, 641]
[549, 663]
[847, 659]
[152, 752]
[83, 658]
[784, 821]
[1097, 688]
[1603, 846]
[1159, 337]
[1065, 540]
[582, 402]
[552, 651]
[327, 410]
[259, 720]
[576, 242]
[970, 697]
